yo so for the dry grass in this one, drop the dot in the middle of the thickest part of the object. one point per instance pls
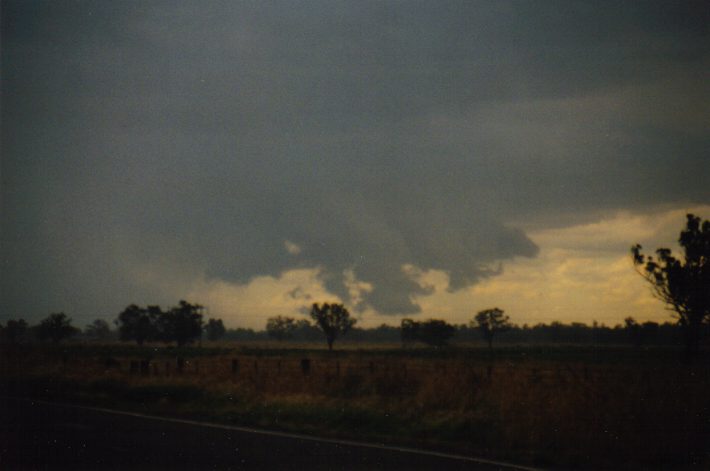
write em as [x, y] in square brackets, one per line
[534, 410]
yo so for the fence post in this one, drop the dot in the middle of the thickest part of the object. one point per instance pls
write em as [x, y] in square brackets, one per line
[235, 366]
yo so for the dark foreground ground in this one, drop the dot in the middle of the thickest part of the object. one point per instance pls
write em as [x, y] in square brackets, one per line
[41, 435]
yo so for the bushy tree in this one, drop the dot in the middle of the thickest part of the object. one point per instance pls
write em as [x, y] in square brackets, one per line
[215, 329]
[56, 328]
[333, 320]
[98, 330]
[139, 324]
[435, 332]
[181, 324]
[682, 283]
[280, 327]
[491, 322]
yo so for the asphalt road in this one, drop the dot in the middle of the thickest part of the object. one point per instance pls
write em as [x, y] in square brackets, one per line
[41, 435]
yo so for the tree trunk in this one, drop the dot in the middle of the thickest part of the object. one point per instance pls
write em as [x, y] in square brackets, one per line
[330, 344]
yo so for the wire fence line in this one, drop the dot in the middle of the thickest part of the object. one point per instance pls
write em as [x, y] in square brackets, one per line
[245, 368]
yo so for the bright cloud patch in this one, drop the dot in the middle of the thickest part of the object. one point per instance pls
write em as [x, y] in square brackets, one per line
[582, 273]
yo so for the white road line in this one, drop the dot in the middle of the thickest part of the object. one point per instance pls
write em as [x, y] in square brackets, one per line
[272, 433]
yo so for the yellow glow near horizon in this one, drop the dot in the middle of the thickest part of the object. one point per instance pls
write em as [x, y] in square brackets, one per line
[583, 273]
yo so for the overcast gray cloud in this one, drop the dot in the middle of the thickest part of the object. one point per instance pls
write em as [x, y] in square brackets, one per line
[200, 136]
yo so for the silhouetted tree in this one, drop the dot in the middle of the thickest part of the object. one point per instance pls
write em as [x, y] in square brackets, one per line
[333, 320]
[684, 284]
[491, 322]
[56, 328]
[15, 330]
[434, 332]
[98, 330]
[215, 329]
[280, 327]
[136, 323]
[408, 331]
[181, 324]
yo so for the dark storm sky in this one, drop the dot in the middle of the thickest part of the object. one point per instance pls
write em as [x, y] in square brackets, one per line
[198, 137]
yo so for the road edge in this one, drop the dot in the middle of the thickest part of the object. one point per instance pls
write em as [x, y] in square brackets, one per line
[274, 433]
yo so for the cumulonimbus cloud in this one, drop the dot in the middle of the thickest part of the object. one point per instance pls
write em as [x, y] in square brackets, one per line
[238, 140]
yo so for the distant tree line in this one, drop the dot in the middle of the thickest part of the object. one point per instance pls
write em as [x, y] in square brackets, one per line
[493, 324]
[681, 282]
[630, 332]
[181, 324]
[54, 328]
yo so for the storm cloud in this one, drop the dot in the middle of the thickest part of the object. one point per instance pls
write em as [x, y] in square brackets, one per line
[232, 140]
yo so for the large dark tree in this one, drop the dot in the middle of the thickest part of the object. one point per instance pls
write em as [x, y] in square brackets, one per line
[181, 324]
[435, 332]
[56, 328]
[333, 320]
[137, 323]
[491, 322]
[682, 283]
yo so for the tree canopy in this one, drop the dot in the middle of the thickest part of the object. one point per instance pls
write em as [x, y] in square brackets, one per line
[491, 322]
[435, 332]
[56, 327]
[682, 283]
[181, 324]
[137, 323]
[333, 320]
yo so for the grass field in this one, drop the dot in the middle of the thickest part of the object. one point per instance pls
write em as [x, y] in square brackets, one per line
[567, 407]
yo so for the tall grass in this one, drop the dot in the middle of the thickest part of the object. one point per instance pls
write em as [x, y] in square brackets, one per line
[574, 408]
